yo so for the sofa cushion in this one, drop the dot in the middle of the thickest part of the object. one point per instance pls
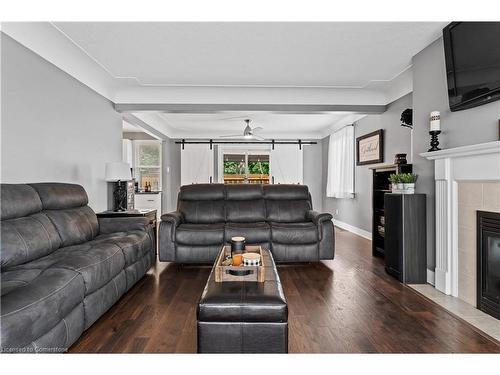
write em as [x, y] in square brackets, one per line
[202, 192]
[254, 233]
[294, 233]
[287, 211]
[202, 212]
[74, 225]
[200, 234]
[96, 261]
[244, 192]
[27, 238]
[18, 200]
[39, 302]
[295, 252]
[197, 254]
[287, 203]
[134, 244]
[58, 196]
[240, 211]
[286, 192]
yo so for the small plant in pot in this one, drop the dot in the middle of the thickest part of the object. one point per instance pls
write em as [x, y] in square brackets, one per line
[395, 180]
[408, 180]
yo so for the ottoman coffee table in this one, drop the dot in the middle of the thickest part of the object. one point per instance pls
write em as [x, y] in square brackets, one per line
[243, 317]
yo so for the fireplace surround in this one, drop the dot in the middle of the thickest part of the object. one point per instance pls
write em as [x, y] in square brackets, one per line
[479, 162]
[488, 262]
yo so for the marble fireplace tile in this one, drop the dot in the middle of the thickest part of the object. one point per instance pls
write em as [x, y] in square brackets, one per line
[467, 240]
[470, 194]
[467, 263]
[491, 196]
[467, 217]
[467, 289]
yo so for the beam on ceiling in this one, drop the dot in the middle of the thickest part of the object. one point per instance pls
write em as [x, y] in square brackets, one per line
[214, 108]
[148, 129]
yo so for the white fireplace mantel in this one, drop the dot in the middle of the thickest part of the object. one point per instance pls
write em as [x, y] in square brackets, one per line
[466, 163]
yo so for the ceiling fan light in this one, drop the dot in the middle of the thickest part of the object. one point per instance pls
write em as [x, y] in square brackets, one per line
[248, 136]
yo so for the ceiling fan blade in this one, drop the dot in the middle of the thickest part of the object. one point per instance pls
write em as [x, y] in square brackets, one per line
[233, 118]
[230, 136]
[259, 138]
[258, 128]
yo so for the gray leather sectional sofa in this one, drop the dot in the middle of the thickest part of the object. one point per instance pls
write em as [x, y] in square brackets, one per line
[277, 217]
[61, 266]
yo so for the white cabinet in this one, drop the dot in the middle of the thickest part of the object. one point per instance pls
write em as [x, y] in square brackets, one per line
[287, 164]
[197, 164]
[147, 201]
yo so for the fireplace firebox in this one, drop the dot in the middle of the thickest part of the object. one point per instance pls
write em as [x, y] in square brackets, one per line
[488, 262]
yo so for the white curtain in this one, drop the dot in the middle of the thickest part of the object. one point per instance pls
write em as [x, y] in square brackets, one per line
[340, 178]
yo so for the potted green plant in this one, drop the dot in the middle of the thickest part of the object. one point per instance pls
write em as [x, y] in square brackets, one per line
[394, 180]
[408, 180]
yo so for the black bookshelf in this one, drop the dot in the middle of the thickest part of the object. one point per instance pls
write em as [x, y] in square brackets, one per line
[380, 187]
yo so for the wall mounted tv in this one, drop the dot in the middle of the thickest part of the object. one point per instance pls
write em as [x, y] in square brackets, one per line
[472, 53]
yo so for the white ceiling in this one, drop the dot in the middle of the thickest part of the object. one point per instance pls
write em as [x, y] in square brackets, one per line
[275, 125]
[294, 54]
[350, 65]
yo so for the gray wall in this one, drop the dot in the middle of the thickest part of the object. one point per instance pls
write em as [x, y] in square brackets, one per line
[471, 126]
[53, 127]
[397, 139]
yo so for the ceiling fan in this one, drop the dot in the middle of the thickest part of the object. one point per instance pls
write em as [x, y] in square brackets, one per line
[248, 132]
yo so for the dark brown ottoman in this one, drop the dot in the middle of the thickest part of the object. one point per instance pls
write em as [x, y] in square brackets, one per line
[243, 317]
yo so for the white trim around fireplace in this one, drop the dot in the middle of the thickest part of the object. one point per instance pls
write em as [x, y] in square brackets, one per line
[479, 162]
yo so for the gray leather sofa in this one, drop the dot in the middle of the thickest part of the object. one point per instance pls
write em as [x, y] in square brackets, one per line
[61, 267]
[277, 217]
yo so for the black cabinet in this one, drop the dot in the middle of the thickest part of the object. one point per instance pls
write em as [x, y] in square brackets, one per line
[380, 187]
[405, 237]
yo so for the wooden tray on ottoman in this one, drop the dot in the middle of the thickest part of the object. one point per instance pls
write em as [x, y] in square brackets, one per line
[246, 273]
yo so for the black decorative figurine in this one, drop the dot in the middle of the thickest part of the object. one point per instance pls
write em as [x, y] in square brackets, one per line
[434, 140]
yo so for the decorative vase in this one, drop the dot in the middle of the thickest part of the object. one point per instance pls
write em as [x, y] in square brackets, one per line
[400, 159]
[409, 188]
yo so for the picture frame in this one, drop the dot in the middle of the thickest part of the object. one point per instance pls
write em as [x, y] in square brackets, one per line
[370, 148]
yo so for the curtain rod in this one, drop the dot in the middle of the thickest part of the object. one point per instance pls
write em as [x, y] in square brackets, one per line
[272, 142]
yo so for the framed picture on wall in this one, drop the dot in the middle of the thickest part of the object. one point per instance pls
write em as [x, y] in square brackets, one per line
[370, 148]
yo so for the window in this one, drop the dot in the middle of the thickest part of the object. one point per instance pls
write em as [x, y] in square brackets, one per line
[148, 164]
[246, 167]
[340, 180]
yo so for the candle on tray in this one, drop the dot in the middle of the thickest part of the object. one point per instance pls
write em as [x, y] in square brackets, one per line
[435, 121]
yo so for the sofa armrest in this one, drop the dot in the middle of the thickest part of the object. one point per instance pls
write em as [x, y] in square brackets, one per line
[168, 226]
[122, 224]
[317, 218]
[174, 218]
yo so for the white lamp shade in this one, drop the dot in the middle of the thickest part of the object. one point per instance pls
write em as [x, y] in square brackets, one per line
[118, 171]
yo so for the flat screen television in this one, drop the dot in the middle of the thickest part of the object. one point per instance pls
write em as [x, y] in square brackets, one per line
[472, 54]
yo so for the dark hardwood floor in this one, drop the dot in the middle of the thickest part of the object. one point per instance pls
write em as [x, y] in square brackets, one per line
[348, 305]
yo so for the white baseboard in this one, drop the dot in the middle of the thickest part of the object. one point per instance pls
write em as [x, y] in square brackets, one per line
[351, 228]
[431, 277]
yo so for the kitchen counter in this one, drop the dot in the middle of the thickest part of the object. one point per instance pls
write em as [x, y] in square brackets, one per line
[148, 192]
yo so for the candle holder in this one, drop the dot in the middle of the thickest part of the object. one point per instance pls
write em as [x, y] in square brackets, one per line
[434, 140]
